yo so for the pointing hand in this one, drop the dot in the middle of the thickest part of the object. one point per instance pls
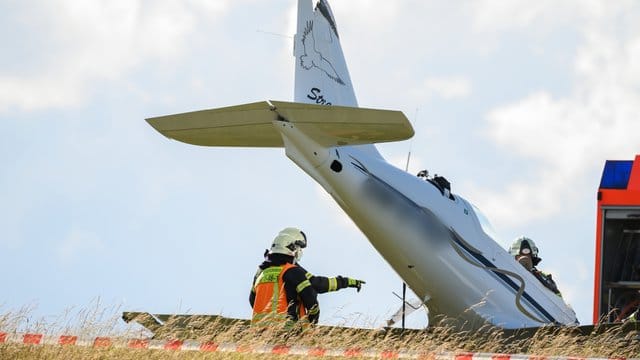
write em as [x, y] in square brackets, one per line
[355, 283]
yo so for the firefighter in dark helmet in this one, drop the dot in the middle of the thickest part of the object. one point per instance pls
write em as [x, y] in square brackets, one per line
[282, 290]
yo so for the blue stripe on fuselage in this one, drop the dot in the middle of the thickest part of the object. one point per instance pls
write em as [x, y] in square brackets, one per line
[505, 279]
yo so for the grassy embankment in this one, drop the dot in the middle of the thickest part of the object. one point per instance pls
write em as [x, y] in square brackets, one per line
[88, 324]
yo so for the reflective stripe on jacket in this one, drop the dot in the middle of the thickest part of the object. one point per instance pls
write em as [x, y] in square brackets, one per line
[271, 298]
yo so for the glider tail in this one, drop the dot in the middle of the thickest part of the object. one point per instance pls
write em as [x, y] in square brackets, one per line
[321, 75]
[321, 78]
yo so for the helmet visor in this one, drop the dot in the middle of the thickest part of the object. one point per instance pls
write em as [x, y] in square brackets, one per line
[302, 243]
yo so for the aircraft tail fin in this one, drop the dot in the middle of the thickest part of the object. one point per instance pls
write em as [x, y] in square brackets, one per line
[321, 78]
[321, 75]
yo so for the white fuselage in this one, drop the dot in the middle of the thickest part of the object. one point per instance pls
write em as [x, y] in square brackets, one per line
[434, 242]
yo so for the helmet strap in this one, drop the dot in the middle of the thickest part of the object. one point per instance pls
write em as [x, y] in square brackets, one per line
[297, 255]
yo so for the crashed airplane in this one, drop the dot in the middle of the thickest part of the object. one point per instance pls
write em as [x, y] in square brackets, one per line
[437, 242]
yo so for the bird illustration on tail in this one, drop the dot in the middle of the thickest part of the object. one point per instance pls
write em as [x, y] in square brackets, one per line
[312, 58]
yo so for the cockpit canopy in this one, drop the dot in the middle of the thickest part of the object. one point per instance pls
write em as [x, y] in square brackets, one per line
[487, 228]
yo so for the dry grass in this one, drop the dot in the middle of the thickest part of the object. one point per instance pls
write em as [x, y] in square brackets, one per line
[106, 322]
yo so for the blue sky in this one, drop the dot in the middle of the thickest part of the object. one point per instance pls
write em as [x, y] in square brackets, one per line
[517, 103]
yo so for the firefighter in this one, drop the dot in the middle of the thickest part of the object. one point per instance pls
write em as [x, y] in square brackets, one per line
[282, 290]
[525, 252]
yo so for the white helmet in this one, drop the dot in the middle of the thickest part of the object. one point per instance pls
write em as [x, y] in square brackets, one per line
[524, 246]
[289, 241]
[517, 247]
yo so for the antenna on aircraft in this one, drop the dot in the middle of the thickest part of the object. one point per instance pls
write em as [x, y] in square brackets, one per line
[274, 34]
[406, 167]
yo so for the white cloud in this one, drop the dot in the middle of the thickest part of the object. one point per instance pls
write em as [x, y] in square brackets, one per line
[448, 87]
[442, 87]
[375, 14]
[496, 15]
[573, 284]
[92, 41]
[569, 138]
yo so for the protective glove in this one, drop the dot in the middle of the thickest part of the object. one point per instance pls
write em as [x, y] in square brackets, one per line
[355, 283]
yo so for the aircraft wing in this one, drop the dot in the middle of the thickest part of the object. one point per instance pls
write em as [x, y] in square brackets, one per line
[253, 125]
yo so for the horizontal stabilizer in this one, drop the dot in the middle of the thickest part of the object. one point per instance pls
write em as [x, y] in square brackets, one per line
[252, 125]
[242, 125]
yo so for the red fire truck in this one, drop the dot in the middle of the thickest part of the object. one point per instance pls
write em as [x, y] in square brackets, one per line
[617, 269]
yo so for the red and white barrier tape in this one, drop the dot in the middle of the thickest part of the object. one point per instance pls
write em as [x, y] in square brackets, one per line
[187, 345]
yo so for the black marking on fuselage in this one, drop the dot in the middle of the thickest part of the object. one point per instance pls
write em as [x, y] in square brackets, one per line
[507, 280]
